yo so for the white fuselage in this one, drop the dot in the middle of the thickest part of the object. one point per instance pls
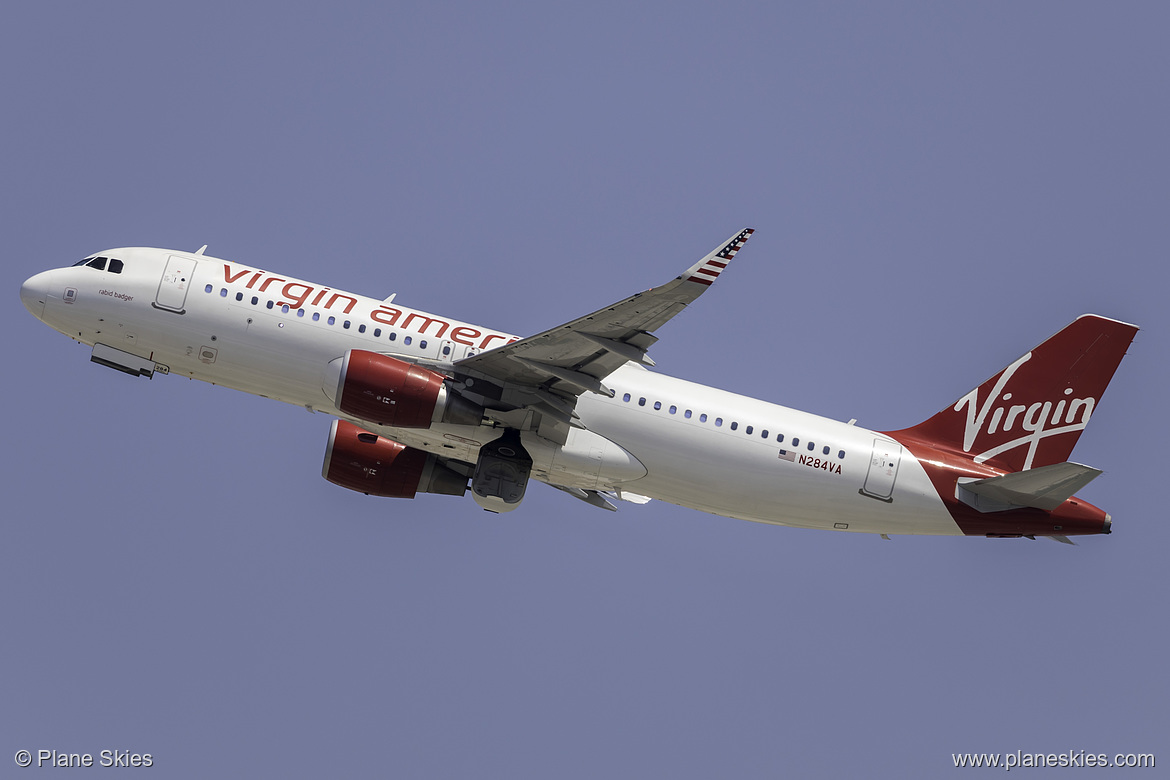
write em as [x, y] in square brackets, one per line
[659, 437]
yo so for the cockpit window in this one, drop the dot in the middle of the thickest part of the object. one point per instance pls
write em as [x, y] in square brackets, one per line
[99, 263]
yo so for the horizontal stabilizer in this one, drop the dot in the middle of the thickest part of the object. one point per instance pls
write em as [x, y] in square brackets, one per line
[1044, 488]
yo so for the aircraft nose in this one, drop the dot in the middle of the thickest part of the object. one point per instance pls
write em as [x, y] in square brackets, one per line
[34, 292]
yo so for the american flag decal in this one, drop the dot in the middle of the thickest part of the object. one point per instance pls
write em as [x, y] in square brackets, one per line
[710, 270]
[788, 455]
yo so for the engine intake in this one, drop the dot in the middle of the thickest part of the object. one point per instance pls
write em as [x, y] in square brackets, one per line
[377, 466]
[388, 391]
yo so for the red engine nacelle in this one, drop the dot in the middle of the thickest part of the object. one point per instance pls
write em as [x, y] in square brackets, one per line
[370, 464]
[389, 391]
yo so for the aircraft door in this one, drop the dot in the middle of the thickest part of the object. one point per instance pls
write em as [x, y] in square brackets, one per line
[883, 470]
[176, 280]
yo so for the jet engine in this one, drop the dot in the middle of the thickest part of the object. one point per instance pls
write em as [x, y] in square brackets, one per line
[389, 391]
[377, 466]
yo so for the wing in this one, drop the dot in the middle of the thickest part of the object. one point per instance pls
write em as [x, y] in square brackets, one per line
[535, 381]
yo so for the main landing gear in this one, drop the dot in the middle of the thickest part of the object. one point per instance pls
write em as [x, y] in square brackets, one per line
[501, 473]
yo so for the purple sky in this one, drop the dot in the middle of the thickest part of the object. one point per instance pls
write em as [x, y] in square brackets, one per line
[935, 189]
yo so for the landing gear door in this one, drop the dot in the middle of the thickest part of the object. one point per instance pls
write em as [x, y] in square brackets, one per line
[883, 470]
[176, 280]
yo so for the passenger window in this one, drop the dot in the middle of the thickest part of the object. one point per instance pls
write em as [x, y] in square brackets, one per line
[208, 288]
[673, 409]
[393, 336]
[841, 454]
[825, 451]
[626, 397]
[811, 446]
[115, 266]
[748, 430]
[422, 344]
[377, 332]
[223, 292]
[284, 308]
[734, 426]
[687, 414]
[316, 316]
[331, 320]
[795, 442]
[345, 324]
[406, 340]
[657, 405]
[763, 434]
[239, 296]
[718, 422]
[780, 438]
[362, 328]
[641, 402]
[300, 312]
[255, 300]
[703, 417]
[270, 304]
[446, 350]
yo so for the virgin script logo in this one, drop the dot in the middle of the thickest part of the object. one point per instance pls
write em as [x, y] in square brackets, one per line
[1035, 421]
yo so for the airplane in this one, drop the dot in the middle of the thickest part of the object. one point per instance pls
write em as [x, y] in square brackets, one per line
[428, 404]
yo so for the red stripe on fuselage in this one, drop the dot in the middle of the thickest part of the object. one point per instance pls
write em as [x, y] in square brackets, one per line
[944, 467]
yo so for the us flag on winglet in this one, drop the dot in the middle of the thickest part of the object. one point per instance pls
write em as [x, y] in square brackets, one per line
[710, 270]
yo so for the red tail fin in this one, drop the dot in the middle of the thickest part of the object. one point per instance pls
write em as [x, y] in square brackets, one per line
[1031, 413]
